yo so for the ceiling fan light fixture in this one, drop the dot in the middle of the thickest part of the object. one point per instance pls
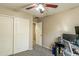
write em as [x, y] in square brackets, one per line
[40, 7]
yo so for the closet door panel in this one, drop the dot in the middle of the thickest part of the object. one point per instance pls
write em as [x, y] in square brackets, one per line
[21, 34]
[6, 35]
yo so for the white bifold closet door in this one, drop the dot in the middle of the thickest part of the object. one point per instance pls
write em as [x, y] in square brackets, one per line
[21, 34]
[6, 35]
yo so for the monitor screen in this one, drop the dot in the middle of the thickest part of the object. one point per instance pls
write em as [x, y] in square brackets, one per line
[69, 37]
[77, 29]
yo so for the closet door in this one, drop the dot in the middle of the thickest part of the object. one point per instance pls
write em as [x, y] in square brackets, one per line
[6, 35]
[21, 35]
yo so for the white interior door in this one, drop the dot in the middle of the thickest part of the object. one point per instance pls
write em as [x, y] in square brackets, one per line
[21, 35]
[6, 35]
[39, 33]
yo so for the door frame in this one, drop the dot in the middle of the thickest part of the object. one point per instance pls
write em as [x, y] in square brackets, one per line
[34, 35]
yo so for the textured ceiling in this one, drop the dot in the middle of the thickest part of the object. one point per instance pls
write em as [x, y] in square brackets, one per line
[49, 11]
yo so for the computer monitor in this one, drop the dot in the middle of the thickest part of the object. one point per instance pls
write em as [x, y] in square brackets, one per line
[69, 37]
[77, 30]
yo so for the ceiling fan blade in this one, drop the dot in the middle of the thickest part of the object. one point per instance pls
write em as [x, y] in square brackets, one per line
[30, 7]
[51, 5]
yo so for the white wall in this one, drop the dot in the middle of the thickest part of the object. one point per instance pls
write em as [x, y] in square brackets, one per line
[22, 23]
[55, 25]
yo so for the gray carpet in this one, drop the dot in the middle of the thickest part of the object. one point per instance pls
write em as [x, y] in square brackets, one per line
[37, 51]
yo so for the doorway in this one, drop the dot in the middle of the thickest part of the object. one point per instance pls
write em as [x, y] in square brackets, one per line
[37, 34]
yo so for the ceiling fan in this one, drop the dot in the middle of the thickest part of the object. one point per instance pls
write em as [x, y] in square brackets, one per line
[41, 6]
